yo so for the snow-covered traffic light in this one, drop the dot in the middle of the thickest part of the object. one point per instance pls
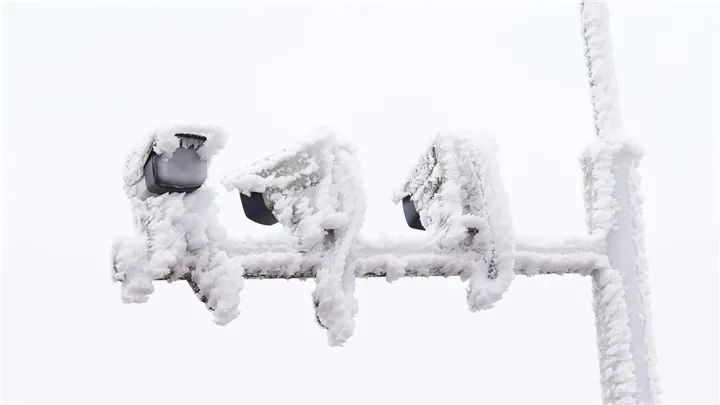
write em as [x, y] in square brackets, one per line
[455, 192]
[182, 171]
[314, 190]
[178, 235]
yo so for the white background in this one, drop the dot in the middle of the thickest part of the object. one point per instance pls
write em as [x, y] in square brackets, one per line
[82, 82]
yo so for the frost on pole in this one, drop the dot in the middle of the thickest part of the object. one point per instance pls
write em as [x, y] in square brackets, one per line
[453, 198]
[614, 216]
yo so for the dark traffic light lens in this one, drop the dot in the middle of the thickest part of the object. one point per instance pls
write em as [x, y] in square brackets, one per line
[411, 215]
[184, 171]
[256, 210]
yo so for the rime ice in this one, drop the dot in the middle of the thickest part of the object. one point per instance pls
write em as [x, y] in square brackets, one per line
[178, 234]
[315, 192]
[457, 190]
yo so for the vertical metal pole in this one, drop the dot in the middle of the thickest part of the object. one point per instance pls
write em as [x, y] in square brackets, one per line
[622, 310]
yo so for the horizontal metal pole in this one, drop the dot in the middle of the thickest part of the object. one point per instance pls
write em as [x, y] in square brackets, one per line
[296, 265]
[418, 242]
[275, 257]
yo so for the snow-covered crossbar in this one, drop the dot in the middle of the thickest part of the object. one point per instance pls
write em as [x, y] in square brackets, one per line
[275, 258]
[454, 193]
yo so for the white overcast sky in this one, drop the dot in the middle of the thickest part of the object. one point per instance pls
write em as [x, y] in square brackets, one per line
[82, 81]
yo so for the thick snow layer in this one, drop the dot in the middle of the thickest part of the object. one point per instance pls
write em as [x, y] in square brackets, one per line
[315, 191]
[179, 236]
[457, 191]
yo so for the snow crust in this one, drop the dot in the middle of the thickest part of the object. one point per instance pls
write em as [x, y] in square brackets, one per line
[457, 190]
[315, 191]
[178, 234]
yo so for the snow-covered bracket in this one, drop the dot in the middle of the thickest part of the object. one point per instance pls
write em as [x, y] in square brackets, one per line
[454, 194]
